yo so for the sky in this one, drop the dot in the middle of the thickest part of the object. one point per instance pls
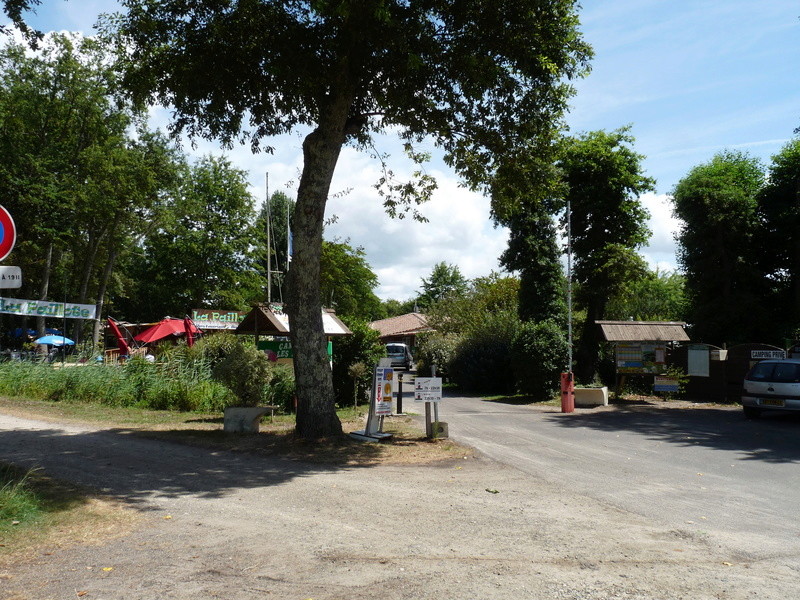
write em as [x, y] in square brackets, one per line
[691, 78]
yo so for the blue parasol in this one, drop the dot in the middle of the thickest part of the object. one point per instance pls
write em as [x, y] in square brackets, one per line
[54, 340]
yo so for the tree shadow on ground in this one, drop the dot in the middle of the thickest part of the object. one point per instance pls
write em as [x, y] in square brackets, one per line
[135, 469]
[773, 438]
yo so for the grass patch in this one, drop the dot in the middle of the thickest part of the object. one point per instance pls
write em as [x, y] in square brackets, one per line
[38, 511]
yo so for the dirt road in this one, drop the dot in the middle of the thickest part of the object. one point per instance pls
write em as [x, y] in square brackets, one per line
[234, 526]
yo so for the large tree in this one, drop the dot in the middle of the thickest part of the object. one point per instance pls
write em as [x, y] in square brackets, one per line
[348, 282]
[203, 253]
[717, 203]
[479, 79]
[445, 280]
[604, 178]
[534, 252]
[779, 212]
[78, 170]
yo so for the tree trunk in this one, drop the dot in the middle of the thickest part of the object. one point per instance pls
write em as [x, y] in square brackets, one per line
[45, 288]
[101, 293]
[316, 411]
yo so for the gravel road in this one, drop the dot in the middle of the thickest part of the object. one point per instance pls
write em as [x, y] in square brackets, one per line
[244, 527]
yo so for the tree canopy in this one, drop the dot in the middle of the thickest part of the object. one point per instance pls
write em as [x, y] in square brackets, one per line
[718, 203]
[779, 213]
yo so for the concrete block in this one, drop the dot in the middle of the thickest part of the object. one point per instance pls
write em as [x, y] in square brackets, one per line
[585, 397]
[244, 419]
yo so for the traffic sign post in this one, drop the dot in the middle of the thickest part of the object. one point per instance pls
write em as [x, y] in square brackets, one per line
[429, 391]
[8, 233]
[10, 277]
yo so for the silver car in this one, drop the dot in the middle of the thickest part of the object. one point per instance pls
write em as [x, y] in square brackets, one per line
[772, 385]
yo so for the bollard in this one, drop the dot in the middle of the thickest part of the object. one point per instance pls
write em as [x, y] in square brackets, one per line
[567, 393]
[399, 393]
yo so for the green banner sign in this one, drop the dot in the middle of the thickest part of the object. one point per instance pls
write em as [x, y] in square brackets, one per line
[283, 349]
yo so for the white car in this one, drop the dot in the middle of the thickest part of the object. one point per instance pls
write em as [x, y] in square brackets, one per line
[772, 385]
[400, 355]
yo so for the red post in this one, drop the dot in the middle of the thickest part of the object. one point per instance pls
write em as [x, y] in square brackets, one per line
[567, 393]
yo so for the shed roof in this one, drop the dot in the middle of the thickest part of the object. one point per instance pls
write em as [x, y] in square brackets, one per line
[407, 324]
[644, 331]
[262, 320]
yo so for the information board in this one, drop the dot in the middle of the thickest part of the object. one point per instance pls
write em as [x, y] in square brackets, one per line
[645, 357]
[428, 389]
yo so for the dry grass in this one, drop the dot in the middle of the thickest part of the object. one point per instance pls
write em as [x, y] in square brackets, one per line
[408, 444]
[73, 516]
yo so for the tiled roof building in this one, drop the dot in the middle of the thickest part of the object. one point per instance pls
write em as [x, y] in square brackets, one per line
[403, 328]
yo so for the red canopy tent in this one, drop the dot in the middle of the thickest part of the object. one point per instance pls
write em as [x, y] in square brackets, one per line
[166, 328]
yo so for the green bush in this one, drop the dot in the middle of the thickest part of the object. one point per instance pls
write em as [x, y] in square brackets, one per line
[245, 371]
[481, 361]
[365, 347]
[538, 356]
[434, 349]
[280, 387]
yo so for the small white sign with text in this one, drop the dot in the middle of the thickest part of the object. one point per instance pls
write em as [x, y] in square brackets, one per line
[428, 389]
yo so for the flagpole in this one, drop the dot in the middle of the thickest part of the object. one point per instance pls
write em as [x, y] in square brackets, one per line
[269, 245]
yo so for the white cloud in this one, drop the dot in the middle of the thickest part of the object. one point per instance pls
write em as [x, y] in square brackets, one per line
[660, 251]
[402, 251]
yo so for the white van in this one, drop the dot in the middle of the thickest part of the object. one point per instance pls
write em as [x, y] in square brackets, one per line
[400, 355]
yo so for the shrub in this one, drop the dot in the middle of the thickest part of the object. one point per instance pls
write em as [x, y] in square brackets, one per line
[538, 356]
[364, 346]
[246, 372]
[435, 349]
[481, 361]
[280, 387]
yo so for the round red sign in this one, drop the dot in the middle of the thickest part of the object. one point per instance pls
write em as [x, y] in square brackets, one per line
[8, 233]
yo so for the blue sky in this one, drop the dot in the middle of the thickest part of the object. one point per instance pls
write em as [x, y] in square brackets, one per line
[692, 77]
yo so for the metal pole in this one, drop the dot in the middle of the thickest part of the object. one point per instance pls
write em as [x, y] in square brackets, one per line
[399, 393]
[569, 285]
[64, 328]
[269, 245]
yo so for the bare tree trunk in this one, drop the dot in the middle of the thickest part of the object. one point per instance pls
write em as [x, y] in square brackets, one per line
[316, 411]
[101, 294]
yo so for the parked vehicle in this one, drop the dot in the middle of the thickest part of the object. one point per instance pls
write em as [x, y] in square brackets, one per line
[772, 385]
[400, 355]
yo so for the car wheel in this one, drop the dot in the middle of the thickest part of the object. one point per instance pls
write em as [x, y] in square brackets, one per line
[750, 412]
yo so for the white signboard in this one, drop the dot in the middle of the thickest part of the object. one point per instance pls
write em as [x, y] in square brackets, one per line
[698, 361]
[10, 277]
[384, 378]
[428, 389]
[762, 354]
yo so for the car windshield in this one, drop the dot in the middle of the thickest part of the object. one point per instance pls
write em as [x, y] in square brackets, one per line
[395, 350]
[775, 371]
[786, 373]
[761, 372]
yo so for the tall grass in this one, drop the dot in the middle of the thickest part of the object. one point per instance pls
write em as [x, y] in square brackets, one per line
[19, 505]
[206, 377]
[164, 386]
